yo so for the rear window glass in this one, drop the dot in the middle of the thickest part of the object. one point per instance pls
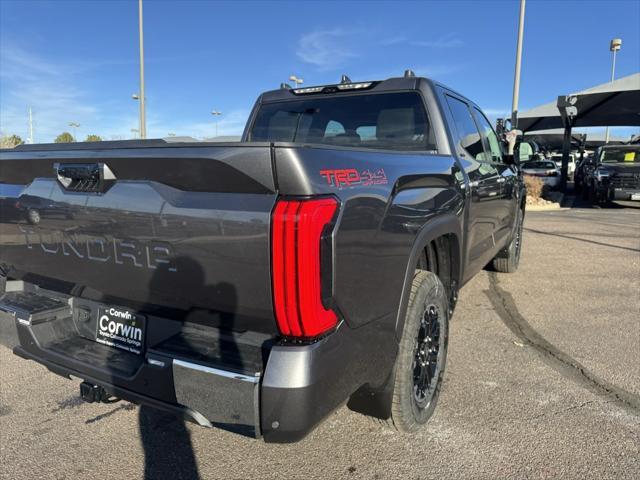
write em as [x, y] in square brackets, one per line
[394, 121]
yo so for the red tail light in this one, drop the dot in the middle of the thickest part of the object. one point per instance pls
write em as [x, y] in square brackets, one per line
[296, 235]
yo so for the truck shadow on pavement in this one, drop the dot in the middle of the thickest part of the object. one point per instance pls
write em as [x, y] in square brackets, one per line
[165, 438]
[168, 451]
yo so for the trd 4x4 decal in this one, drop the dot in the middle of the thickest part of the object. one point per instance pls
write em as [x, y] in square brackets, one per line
[350, 177]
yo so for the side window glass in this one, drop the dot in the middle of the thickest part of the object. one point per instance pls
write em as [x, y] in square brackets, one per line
[469, 140]
[367, 133]
[333, 128]
[489, 136]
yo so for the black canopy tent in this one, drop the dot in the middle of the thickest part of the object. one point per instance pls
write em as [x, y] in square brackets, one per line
[614, 104]
[552, 139]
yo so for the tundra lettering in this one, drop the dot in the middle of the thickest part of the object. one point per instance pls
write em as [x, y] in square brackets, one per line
[150, 254]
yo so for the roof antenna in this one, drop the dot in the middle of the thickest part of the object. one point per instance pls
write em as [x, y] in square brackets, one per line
[344, 79]
[285, 86]
[409, 73]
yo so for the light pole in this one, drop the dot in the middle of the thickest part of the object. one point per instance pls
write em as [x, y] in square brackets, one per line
[614, 46]
[74, 125]
[30, 126]
[137, 97]
[297, 80]
[141, 97]
[516, 80]
[216, 114]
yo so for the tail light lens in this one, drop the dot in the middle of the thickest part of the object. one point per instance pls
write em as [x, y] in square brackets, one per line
[297, 227]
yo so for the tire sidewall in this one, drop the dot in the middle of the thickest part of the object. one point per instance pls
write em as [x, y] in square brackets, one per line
[431, 291]
[515, 249]
[508, 260]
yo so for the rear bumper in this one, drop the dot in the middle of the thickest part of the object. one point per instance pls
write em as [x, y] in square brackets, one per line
[207, 395]
[551, 181]
[119, 392]
[298, 387]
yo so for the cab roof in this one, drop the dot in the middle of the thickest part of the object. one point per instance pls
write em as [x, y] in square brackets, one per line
[406, 83]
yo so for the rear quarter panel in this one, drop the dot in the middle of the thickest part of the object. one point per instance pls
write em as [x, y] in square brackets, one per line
[387, 199]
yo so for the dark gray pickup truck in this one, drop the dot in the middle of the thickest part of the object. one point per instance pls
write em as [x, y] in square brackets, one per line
[612, 173]
[257, 286]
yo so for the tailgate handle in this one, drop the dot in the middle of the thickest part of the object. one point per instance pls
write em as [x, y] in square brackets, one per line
[84, 177]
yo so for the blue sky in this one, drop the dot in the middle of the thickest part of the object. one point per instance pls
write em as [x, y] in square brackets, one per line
[78, 60]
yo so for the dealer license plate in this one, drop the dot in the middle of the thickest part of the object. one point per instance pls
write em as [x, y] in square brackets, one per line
[121, 328]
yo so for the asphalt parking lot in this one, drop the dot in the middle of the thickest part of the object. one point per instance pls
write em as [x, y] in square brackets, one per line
[542, 381]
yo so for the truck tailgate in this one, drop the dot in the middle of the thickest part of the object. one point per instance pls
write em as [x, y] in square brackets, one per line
[179, 232]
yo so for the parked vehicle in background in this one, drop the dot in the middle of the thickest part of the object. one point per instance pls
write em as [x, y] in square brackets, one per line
[29, 208]
[571, 166]
[259, 285]
[614, 174]
[546, 170]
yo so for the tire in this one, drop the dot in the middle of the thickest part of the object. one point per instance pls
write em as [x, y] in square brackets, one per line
[507, 260]
[585, 191]
[577, 186]
[422, 355]
[604, 200]
[33, 216]
[592, 195]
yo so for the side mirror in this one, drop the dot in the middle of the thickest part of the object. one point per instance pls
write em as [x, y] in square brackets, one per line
[525, 151]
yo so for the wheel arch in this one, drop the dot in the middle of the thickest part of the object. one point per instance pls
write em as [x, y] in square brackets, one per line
[376, 401]
[443, 232]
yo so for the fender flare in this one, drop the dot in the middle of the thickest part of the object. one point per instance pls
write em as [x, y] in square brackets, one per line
[447, 224]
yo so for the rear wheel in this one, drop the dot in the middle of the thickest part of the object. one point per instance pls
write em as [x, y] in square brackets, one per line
[422, 355]
[604, 199]
[507, 261]
[593, 195]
